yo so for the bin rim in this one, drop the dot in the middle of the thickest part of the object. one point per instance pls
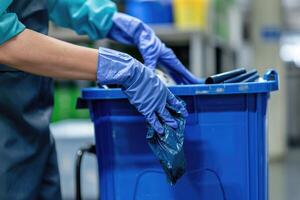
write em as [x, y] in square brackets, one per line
[267, 84]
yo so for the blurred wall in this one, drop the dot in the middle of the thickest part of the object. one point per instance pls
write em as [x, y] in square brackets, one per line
[267, 16]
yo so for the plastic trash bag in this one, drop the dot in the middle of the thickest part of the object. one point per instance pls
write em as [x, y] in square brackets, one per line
[168, 147]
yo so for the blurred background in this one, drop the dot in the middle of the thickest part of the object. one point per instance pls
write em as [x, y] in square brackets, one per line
[209, 37]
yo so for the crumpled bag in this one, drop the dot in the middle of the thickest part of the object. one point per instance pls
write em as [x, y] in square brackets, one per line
[168, 147]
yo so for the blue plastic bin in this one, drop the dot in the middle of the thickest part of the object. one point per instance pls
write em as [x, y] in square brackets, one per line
[150, 11]
[225, 144]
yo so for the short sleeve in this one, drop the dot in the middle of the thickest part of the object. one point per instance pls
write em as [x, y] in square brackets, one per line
[89, 17]
[10, 26]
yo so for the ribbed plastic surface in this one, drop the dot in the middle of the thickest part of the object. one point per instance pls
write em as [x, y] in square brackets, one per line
[225, 144]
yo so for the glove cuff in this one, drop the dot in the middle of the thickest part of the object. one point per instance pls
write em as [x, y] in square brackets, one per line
[115, 67]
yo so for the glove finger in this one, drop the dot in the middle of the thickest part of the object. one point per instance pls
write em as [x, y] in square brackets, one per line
[150, 47]
[150, 63]
[154, 122]
[177, 105]
[169, 60]
[168, 118]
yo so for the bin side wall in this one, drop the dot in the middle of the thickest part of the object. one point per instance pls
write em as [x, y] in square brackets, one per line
[225, 149]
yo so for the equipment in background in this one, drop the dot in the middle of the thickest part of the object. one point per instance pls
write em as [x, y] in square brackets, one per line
[80, 153]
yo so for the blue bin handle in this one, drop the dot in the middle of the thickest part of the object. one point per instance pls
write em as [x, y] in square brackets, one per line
[271, 75]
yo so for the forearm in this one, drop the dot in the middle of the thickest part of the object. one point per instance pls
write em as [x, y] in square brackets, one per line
[42, 55]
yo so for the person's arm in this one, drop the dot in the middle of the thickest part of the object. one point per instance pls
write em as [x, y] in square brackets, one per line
[42, 55]
[39, 54]
[86, 17]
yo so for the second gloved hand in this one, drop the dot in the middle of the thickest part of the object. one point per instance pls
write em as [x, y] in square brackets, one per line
[143, 88]
[130, 30]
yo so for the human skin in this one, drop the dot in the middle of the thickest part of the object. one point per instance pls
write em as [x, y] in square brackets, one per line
[39, 54]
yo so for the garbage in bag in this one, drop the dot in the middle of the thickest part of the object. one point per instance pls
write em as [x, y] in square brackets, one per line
[168, 147]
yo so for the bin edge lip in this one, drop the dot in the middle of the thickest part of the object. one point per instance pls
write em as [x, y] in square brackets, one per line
[262, 86]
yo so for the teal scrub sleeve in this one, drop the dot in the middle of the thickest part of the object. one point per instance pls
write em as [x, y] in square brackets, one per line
[86, 17]
[4, 5]
[10, 26]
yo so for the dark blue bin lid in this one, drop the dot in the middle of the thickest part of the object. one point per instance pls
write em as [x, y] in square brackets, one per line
[264, 85]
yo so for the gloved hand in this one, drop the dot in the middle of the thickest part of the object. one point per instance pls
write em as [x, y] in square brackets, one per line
[130, 30]
[143, 88]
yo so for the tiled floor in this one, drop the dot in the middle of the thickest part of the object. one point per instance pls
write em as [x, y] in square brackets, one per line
[284, 177]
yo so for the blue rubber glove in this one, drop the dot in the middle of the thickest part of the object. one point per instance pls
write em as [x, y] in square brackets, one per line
[143, 88]
[132, 31]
